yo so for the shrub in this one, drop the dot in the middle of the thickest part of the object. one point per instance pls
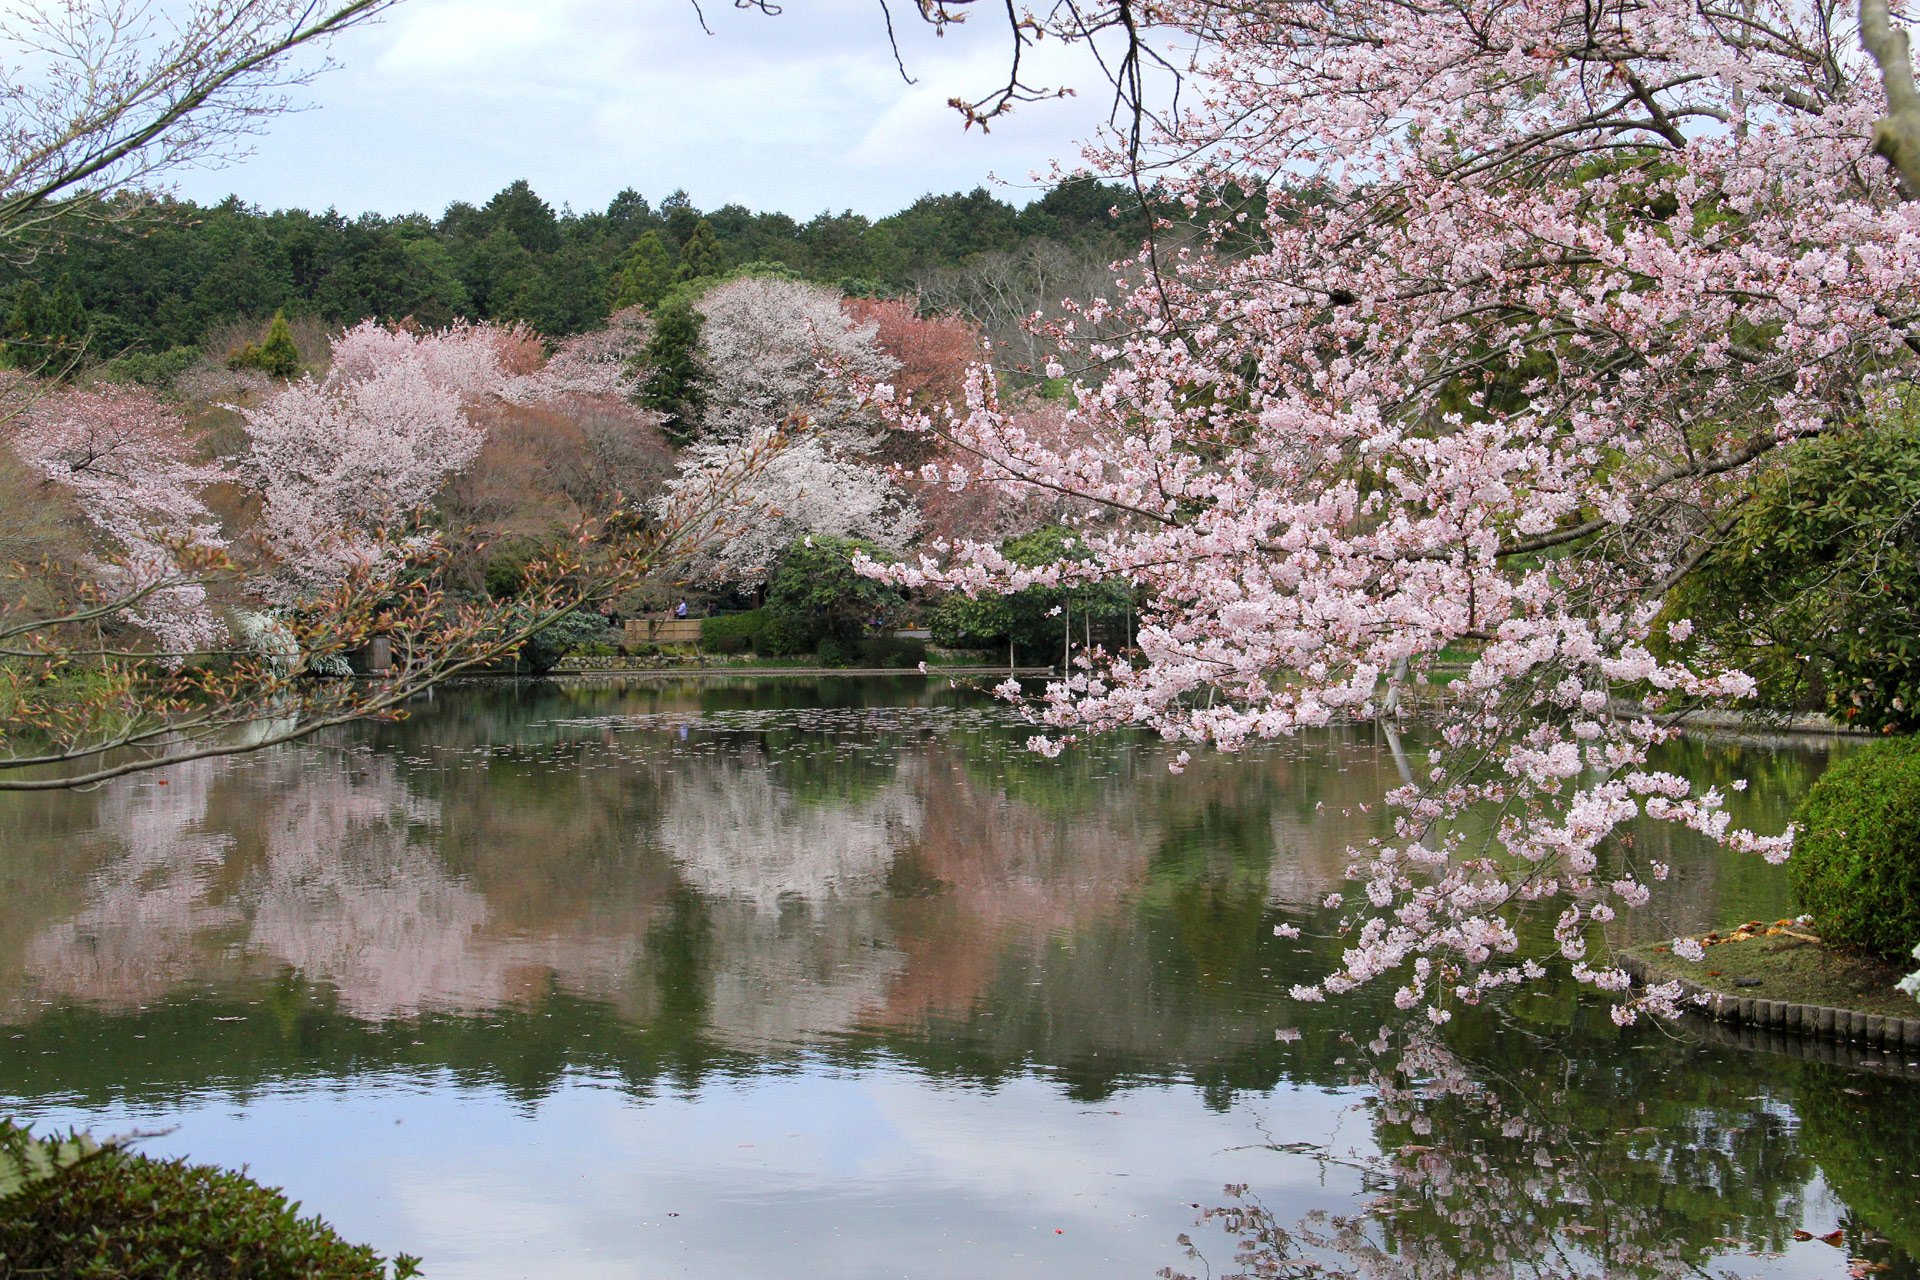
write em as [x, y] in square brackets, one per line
[118, 1216]
[746, 625]
[816, 581]
[544, 649]
[1856, 864]
[838, 653]
[726, 644]
[782, 636]
[892, 651]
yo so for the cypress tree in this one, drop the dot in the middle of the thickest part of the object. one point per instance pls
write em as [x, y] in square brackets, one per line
[673, 387]
[645, 276]
[702, 255]
[279, 357]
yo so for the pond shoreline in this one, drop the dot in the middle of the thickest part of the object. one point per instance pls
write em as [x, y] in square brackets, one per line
[1790, 1018]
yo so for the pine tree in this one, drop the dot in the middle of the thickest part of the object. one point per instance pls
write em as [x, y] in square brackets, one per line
[674, 385]
[645, 276]
[702, 255]
[279, 357]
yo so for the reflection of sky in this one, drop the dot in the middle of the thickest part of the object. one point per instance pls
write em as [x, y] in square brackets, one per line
[817, 1173]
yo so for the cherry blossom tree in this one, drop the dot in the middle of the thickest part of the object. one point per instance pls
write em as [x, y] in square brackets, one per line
[807, 489]
[1539, 290]
[101, 98]
[765, 342]
[126, 459]
[779, 354]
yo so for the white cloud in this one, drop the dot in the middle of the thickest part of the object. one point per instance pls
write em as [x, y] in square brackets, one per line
[453, 99]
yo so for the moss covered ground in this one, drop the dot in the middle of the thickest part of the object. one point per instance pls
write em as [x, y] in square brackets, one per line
[1782, 961]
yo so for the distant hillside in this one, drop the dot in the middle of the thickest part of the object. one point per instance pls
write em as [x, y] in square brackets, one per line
[167, 278]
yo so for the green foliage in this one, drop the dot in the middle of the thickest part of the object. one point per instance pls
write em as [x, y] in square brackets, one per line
[816, 583]
[505, 572]
[116, 1216]
[1815, 591]
[279, 357]
[26, 1160]
[187, 269]
[645, 275]
[766, 271]
[543, 651]
[838, 653]
[727, 644]
[156, 370]
[26, 321]
[729, 626]
[1856, 862]
[782, 637]
[47, 334]
[702, 255]
[1036, 619]
[892, 651]
[674, 381]
[275, 355]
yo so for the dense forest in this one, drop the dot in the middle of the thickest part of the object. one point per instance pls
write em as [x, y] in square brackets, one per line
[166, 279]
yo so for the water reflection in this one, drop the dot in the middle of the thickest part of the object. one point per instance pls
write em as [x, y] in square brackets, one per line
[692, 918]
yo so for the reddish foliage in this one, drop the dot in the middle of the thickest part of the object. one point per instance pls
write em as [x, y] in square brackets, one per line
[934, 353]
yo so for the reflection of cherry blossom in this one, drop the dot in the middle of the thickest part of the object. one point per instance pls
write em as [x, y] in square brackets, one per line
[736, 832]
[781, 981]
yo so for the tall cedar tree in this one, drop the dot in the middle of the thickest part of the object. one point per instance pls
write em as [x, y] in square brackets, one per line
[674, 385]
[702, 255]
[645, 276]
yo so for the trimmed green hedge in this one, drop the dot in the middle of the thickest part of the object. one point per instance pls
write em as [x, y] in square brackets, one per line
[118, 1216]
[725, 625]
[1856, 862]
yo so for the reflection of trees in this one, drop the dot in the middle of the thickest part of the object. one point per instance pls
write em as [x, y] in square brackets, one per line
[736, 832]
[1624, 1160]
[1874, 1167]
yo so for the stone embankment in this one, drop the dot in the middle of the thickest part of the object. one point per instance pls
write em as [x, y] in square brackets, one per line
[1784, 1017]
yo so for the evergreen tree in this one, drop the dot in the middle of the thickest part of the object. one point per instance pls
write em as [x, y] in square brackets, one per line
[66, 329]
[702, 254]
[26, 327]
[674, 385]
[279, 357]
[645, 275]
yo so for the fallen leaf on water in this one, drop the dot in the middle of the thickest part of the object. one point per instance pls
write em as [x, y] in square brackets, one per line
[1833, 1237]
[1798, 1234]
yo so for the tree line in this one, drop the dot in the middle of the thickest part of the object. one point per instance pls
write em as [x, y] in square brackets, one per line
[164, 279]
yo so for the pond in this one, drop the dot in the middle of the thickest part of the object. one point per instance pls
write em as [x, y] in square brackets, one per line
[834, 979]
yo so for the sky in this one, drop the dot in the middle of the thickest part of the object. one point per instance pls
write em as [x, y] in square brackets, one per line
[448, 100]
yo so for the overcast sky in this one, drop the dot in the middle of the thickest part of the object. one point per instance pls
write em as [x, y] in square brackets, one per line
[453, 99]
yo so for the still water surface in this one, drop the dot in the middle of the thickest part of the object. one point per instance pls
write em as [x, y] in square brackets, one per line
[833, 979]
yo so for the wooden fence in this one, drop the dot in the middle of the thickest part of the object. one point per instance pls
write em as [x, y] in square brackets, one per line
[662, 631]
